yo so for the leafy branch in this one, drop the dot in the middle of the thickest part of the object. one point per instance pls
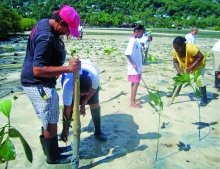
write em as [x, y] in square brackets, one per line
[7, 149]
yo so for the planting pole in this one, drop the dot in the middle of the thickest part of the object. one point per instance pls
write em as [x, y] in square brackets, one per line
[76, 120]
[174, 94]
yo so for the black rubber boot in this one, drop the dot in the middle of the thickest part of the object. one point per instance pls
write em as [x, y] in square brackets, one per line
[61, 149]
[203, 101]
[171, 94]
[51, 149]
[97, 123]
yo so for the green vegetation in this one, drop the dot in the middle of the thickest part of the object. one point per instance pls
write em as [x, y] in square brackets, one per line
[7, 149]
[151, 13]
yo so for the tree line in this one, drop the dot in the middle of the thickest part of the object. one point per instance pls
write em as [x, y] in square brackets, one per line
[151, 13]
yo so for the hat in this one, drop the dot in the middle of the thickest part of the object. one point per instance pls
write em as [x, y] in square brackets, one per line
[71, 17]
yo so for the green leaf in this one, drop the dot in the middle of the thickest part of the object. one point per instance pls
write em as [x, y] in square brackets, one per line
[154, 98]
[58, 89]
[5, 107]
[177, 83]
[198, 93]
[152, 106]
[187, 84]
[161, 106]
[7, 150]
[186, 77]
[169, 88]
[152, 59]
[196, 75]
[2, 132]
[15, 133]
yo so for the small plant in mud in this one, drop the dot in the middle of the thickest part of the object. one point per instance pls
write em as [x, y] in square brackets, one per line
[118, 78]
[153, 59]
[123, 60]
[185, 78]
[73, 51]
[109, 51]
[7, 149]
[157, 104]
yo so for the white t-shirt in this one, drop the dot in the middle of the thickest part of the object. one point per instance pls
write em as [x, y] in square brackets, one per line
[80, 28]
[216, 47]
[143, 40]
[134, 51]
[190, 38]
[67, 80]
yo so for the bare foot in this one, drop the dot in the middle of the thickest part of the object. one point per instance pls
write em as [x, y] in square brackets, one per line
[134, 105]
[138, 100]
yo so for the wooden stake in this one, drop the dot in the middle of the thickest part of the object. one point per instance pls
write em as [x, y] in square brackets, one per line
[174, 94]
[76, 120]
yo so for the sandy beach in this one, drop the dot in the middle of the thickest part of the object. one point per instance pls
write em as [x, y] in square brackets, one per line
[132, 133]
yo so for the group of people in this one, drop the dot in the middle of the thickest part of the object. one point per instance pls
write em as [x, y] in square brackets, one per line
[186, 58]
[44, 63]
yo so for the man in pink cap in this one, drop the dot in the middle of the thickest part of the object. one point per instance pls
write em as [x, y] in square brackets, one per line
[43, 63]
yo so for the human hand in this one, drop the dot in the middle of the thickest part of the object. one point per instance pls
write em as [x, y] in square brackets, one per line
[83, 109]
[74, 65]
[188, 70]
[64, 135]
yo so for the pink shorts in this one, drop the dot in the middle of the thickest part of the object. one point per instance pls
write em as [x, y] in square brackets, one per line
[134, 78]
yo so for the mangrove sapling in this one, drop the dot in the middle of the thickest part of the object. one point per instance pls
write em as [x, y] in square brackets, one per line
[157, 104]
[153, 59]
[7, 149]
[185, 78]
[109, 51]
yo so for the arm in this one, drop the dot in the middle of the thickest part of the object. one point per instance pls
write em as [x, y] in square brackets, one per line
[84, 102]
[198, 58]
[176, 65]
[52, 71]
[131, 61]
[66, 122]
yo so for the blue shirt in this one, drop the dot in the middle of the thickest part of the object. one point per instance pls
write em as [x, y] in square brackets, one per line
[44, 48]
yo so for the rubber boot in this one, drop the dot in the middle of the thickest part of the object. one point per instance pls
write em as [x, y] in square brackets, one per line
[97, 123]
[178, 91]
[61, 149]
[203, 101]
[51, 149]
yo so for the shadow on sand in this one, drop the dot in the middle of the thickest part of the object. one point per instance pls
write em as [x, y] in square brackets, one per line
[122, 136]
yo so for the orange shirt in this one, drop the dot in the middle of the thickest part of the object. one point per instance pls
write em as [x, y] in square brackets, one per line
[191, 51]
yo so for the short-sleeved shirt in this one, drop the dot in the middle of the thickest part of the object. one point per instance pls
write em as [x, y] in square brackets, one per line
[190, 38]
[67, 80]
[134, 51]
[191, 51]
[143, 39]
[44, 48]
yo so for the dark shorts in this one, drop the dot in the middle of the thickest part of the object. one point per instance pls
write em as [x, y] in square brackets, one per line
[93, 100]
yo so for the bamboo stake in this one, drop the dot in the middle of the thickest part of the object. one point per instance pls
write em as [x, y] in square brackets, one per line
[76, 120]
[174, 94]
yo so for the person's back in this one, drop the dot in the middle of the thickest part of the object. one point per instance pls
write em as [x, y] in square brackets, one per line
[191, 37]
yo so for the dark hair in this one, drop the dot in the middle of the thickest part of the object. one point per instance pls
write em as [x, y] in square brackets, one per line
[85, 82]
[139, 27]
[179, 41]
[57, 18]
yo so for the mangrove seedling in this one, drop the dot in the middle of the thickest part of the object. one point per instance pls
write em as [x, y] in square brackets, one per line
[185, 78]
[7, 149]
[153, 59]
[109, 51]
[157, 104]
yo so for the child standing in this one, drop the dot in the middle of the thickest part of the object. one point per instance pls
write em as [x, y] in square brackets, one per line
[134, 56]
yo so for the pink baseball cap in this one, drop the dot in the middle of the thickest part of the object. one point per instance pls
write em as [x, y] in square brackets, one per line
[72, 18]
